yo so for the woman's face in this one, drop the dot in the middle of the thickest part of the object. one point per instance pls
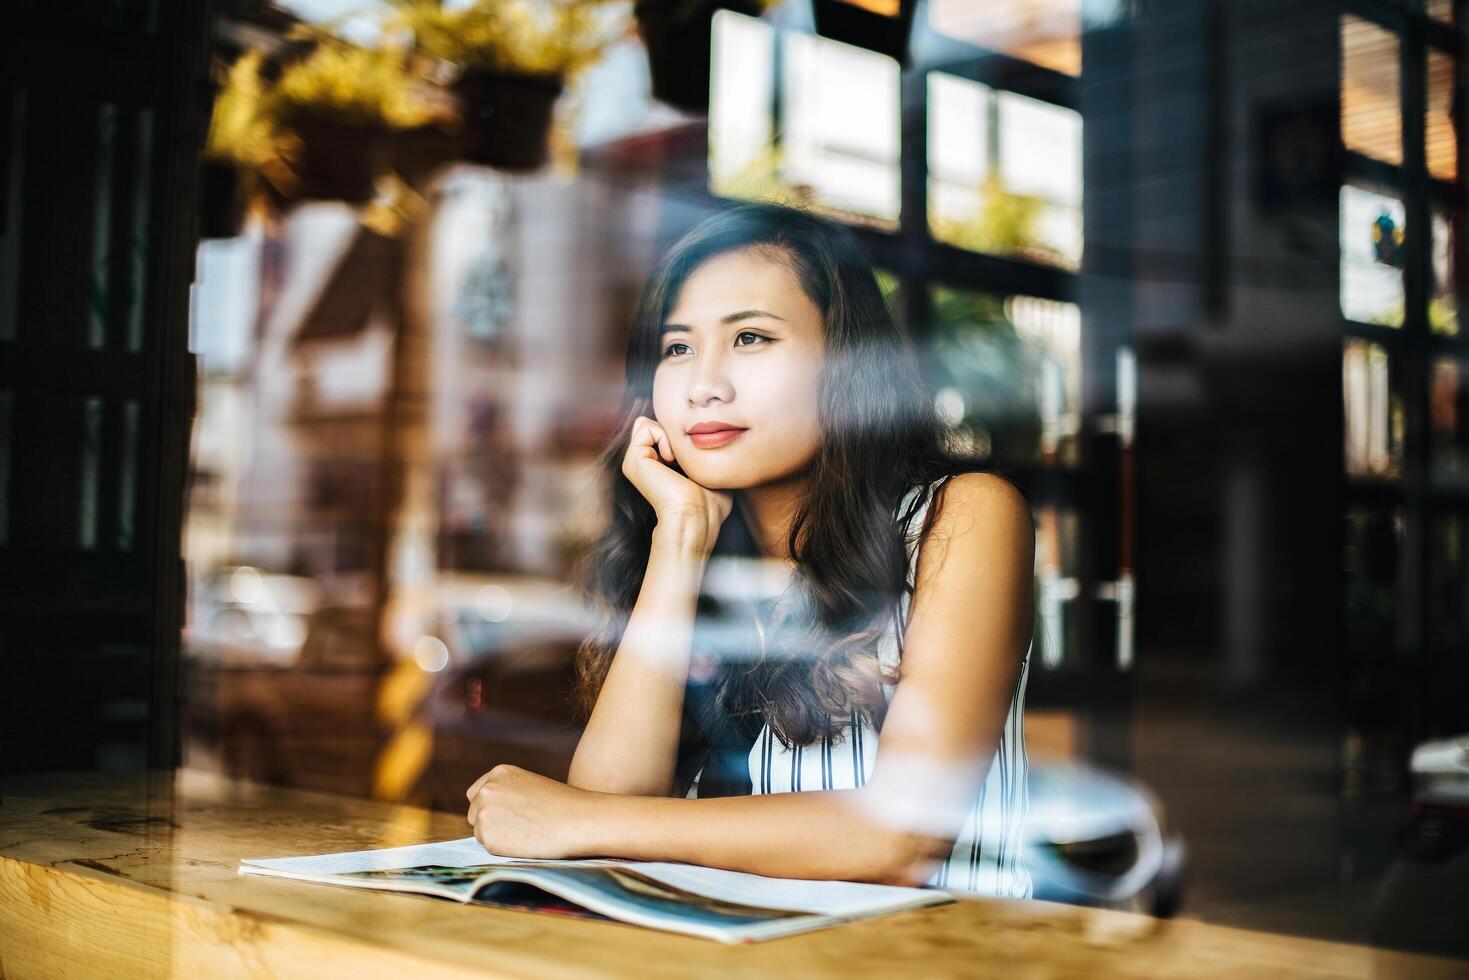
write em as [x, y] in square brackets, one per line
[744, 345]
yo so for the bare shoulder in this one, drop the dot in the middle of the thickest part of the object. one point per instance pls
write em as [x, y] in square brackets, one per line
[987, 499]
[982, 525]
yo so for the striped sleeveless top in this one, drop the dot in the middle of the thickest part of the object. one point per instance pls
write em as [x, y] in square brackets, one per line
[986, 857]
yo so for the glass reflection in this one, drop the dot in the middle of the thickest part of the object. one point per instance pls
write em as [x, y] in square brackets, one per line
[1371, 231]
[1440, 141]
[1448, 577]
[1373, 569]
[1004, 172]
[1443, 305]
[1371, 97]
[1448, 420]
[1374, 411]
[832, 143]
[1006, 372]
[1043, 32]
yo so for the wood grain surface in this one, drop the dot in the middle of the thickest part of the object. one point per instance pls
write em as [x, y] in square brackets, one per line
[136, 876]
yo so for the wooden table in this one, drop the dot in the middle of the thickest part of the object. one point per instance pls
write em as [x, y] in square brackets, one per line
[135, 876]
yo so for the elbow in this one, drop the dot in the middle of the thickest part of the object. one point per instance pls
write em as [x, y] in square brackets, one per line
[615, 786]
[904, 851]
[907, 860]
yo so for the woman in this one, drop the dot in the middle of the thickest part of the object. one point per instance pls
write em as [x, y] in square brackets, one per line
[906, 612]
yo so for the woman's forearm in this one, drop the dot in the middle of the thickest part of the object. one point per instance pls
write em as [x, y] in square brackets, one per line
[821, 834]
[630, 744]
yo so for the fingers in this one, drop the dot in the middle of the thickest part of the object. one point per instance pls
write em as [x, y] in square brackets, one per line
[647, 432]
[474, 787]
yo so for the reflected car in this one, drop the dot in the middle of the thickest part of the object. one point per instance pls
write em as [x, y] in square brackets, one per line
[1419, 905]
[1096, 839]
[282, 696]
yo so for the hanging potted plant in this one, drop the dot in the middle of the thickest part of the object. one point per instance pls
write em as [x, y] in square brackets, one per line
[883, 26]
[337, 109]
[240, 143]
[676, 34]
[512, 60]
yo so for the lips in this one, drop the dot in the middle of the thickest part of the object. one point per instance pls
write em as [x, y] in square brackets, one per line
[707, 435]
[713, 425]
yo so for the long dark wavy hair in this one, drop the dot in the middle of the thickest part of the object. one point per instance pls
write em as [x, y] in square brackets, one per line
[880, 437]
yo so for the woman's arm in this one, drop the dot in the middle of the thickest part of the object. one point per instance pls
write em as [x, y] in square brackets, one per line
[630, 743]
[969, 627]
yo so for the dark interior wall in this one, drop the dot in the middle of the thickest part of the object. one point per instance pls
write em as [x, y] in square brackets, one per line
[103, 113]
[1237, 690]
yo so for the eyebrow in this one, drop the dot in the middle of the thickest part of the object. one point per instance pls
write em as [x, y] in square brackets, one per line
[725, 320]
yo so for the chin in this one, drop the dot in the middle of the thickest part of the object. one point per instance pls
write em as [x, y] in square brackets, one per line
[715, 478]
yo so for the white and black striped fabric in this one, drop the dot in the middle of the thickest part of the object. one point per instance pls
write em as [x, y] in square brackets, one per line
[986, 857]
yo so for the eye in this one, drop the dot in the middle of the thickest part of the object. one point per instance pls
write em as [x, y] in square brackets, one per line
[668, 351]
[748, 333]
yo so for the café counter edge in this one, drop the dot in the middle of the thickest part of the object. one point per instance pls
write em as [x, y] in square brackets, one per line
[136, 874]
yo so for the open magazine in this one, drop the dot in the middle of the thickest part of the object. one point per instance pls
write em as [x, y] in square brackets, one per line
[728, 906]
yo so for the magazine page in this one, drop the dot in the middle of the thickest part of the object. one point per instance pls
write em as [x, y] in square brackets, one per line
[730, 906]
[616, 892]
[843, 899]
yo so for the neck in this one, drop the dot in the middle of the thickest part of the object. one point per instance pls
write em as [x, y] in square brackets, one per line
[769, 511]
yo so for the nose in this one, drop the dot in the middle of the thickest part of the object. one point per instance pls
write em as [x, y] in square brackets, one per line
[709, 380]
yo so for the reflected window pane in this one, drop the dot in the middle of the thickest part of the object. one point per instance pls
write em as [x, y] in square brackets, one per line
[91, 465]
[841, 126]
[1372, 561]
[1046, 32]
[1374, 411]
[1443, 305]
[838, 151]
[1006, 374]
[1448, 579]
[1371, 231]
[1058, 584]
[1440, 143]
[741, 154]
[1371, 99]
[1448, 420]
[1004, 172]
[142, 206]
[102, 225]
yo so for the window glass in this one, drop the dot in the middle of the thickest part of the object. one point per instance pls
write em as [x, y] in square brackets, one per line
[1371, 98]
[1046, 32]
[741, 154]
[1440, 144]
[1448, 579]
[1373, 566]
[1058, 584]
[1443, 305]
[90, 473]
[102, 224]
[1004, 172]
[1448, 420]
[1371, 230]
[1006, 374]
[1374, 411]
[839, 125]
